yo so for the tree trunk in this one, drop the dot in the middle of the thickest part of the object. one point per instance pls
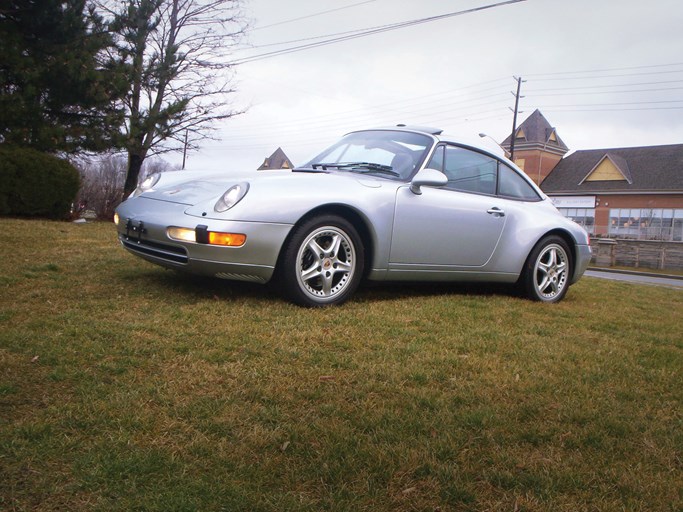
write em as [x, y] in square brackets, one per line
[134, 166]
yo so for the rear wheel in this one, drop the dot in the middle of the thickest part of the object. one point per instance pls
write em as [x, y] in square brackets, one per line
[547, 272]
[322, 262]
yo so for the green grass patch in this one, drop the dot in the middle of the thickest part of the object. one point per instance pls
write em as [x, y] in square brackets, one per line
[124, 386]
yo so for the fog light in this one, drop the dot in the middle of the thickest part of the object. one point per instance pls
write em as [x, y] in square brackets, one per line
[181, 234]
[116, 219]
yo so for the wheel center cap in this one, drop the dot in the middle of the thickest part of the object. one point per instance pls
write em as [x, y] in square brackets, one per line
[327, 263]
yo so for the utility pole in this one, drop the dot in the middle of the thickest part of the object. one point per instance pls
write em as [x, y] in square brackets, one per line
[514, 117]
[185, 150]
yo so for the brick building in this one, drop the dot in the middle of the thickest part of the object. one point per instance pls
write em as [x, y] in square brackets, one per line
[622, 192]
[538, 147]
[617, 192]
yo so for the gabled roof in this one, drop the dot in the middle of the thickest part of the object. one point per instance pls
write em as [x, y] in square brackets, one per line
[278, 160]
[536, 133]
[619, 166]
[648, 168]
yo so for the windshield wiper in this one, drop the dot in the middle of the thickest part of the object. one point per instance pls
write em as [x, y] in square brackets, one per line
[313, 168]
[323, 166]
[359, 167]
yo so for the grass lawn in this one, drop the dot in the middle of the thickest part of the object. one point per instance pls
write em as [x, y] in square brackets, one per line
[127, 387]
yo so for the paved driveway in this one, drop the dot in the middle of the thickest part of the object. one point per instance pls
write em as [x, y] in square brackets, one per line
[636, 278]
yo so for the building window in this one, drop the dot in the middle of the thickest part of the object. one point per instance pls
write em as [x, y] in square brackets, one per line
[583, 216]
[646, 223]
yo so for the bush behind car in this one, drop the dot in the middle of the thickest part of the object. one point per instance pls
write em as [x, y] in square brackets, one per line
[35, 184]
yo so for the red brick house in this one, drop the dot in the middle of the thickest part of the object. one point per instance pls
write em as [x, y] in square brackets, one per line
[538, 147]
[617, 192]
[622, 192]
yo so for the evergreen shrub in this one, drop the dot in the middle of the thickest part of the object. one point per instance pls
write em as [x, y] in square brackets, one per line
[35, 184]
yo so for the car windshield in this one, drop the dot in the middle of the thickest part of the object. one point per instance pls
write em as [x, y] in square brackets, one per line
[392, 154]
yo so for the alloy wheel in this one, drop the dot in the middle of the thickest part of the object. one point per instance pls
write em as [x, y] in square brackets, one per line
[326, 262]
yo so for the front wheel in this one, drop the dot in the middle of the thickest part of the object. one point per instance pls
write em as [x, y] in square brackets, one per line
[322, 262]
[547, 272]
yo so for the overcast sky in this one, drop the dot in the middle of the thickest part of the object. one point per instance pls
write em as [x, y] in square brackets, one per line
[605, 73]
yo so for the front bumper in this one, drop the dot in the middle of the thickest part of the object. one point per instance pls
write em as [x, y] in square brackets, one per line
[142, 230]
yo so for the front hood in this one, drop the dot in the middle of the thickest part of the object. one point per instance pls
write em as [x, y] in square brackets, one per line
[190, 192]
[283, 192]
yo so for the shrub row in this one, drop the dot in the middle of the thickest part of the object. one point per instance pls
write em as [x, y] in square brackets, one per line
[34, 184]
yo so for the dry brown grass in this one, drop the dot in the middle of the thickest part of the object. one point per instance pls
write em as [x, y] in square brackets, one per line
[124, 386]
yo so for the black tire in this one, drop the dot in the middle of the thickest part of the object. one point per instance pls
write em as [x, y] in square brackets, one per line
[548, 270]
[322, 262]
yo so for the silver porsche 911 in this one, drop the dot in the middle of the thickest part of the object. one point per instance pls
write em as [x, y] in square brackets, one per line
[392, 204]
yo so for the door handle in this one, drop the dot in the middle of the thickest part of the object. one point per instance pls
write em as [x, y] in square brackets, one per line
[496, 211]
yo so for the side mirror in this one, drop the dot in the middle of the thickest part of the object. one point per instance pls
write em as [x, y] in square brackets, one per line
[427, 178]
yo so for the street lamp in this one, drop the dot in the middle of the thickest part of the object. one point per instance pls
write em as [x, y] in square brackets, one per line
[483, 135]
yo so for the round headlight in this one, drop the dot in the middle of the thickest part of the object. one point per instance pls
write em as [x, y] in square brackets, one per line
[231, 197]
[147, 183]
[150, 181]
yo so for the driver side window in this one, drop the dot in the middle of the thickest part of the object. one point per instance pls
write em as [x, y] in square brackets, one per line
[470, 171]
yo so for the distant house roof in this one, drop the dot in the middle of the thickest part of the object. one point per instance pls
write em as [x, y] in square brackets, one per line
[639, 169]
[278, 160]
[536, 133]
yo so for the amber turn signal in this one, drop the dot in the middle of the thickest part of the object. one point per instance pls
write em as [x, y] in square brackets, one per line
[229, 239]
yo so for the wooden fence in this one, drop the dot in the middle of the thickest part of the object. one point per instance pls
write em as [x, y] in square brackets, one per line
[651, 254]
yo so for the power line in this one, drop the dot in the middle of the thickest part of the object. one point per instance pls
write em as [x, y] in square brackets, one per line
[613, 104]
[608, 76]
[557, 109]
[339, 122]
[606, 69]
[643, 101]
[632, 84]
[314, 15]
[397, 107]
[474, 102]
[609, 92]
[300, 129]
[363, 117]
[337, 38]
[442, 107]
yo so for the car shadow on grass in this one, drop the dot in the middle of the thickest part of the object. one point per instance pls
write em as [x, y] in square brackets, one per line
[387, 291]
[193, 287]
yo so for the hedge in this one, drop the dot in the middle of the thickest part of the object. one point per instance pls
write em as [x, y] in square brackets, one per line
[35, 184]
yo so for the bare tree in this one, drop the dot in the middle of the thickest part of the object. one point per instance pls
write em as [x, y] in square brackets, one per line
[101, 185]
[102, 180]
[176, 55]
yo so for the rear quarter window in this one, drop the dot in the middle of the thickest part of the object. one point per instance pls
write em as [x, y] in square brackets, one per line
[512, 185]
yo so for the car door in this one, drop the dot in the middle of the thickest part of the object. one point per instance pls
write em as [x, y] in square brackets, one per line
[458, 225]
